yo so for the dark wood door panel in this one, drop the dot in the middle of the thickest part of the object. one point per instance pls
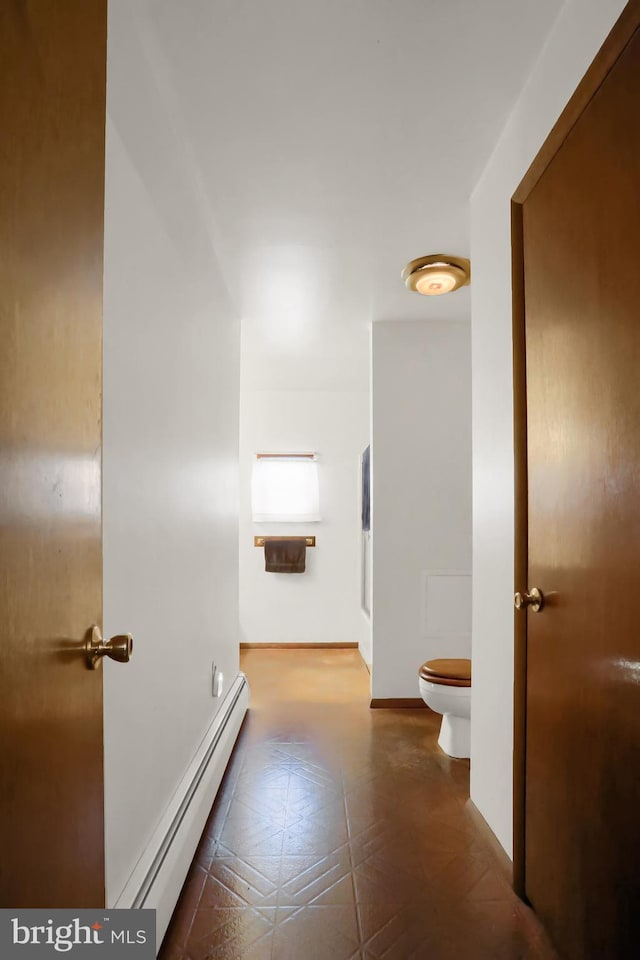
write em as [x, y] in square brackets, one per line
[581, 233]
[52, 115]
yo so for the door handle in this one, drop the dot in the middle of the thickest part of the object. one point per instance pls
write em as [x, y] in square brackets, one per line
[118, 648]
[534, 599]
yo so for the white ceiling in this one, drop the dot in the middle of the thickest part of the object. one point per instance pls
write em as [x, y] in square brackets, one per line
[334, 141]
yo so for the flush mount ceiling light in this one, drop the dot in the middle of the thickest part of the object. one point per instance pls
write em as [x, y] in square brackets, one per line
[437, 274]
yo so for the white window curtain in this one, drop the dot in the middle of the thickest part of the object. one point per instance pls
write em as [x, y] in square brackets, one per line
[284, 489]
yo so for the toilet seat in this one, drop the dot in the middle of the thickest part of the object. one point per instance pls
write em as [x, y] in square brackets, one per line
[447, 673]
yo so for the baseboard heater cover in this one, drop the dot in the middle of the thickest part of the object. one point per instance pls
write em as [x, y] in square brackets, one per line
[159, 875]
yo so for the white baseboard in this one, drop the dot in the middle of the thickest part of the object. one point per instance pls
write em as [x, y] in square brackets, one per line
[158, 876]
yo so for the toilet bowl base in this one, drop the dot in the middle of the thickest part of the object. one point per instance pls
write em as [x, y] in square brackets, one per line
[455, 736]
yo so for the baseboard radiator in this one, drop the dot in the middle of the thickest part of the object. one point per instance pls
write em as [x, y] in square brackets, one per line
[158, 876]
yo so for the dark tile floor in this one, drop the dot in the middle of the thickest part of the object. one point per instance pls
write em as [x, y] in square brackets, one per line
[341, 832]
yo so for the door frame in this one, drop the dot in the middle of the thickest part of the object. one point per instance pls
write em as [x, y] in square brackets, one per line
[621, 34]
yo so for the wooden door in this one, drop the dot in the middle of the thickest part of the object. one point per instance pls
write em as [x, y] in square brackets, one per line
[580, 240]
[52, 118]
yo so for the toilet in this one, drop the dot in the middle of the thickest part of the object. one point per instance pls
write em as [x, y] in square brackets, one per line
[445, 686]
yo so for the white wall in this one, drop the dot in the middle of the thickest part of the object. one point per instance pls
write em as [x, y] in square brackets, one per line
[323, 604]
[421, 522]
[571, 46]
[171, 384]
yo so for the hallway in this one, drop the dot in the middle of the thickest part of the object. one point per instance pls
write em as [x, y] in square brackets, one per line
[341, 832]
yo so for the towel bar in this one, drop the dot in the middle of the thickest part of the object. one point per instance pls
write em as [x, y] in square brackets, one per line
[260, 541]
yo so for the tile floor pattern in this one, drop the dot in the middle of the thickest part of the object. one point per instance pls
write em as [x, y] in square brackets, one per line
[341, 832]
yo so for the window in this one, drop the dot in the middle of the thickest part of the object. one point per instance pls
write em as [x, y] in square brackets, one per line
[284, 488]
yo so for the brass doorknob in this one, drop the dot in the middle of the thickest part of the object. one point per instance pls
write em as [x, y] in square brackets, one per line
[534, 599]
[118, 648]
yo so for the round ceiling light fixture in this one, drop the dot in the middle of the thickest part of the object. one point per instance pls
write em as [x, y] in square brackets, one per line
[437, 274]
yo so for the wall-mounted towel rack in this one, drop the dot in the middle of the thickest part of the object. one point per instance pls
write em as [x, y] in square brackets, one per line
[285, 456]
[260, 541]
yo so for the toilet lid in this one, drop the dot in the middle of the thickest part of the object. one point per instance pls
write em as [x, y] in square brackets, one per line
[453, 673]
